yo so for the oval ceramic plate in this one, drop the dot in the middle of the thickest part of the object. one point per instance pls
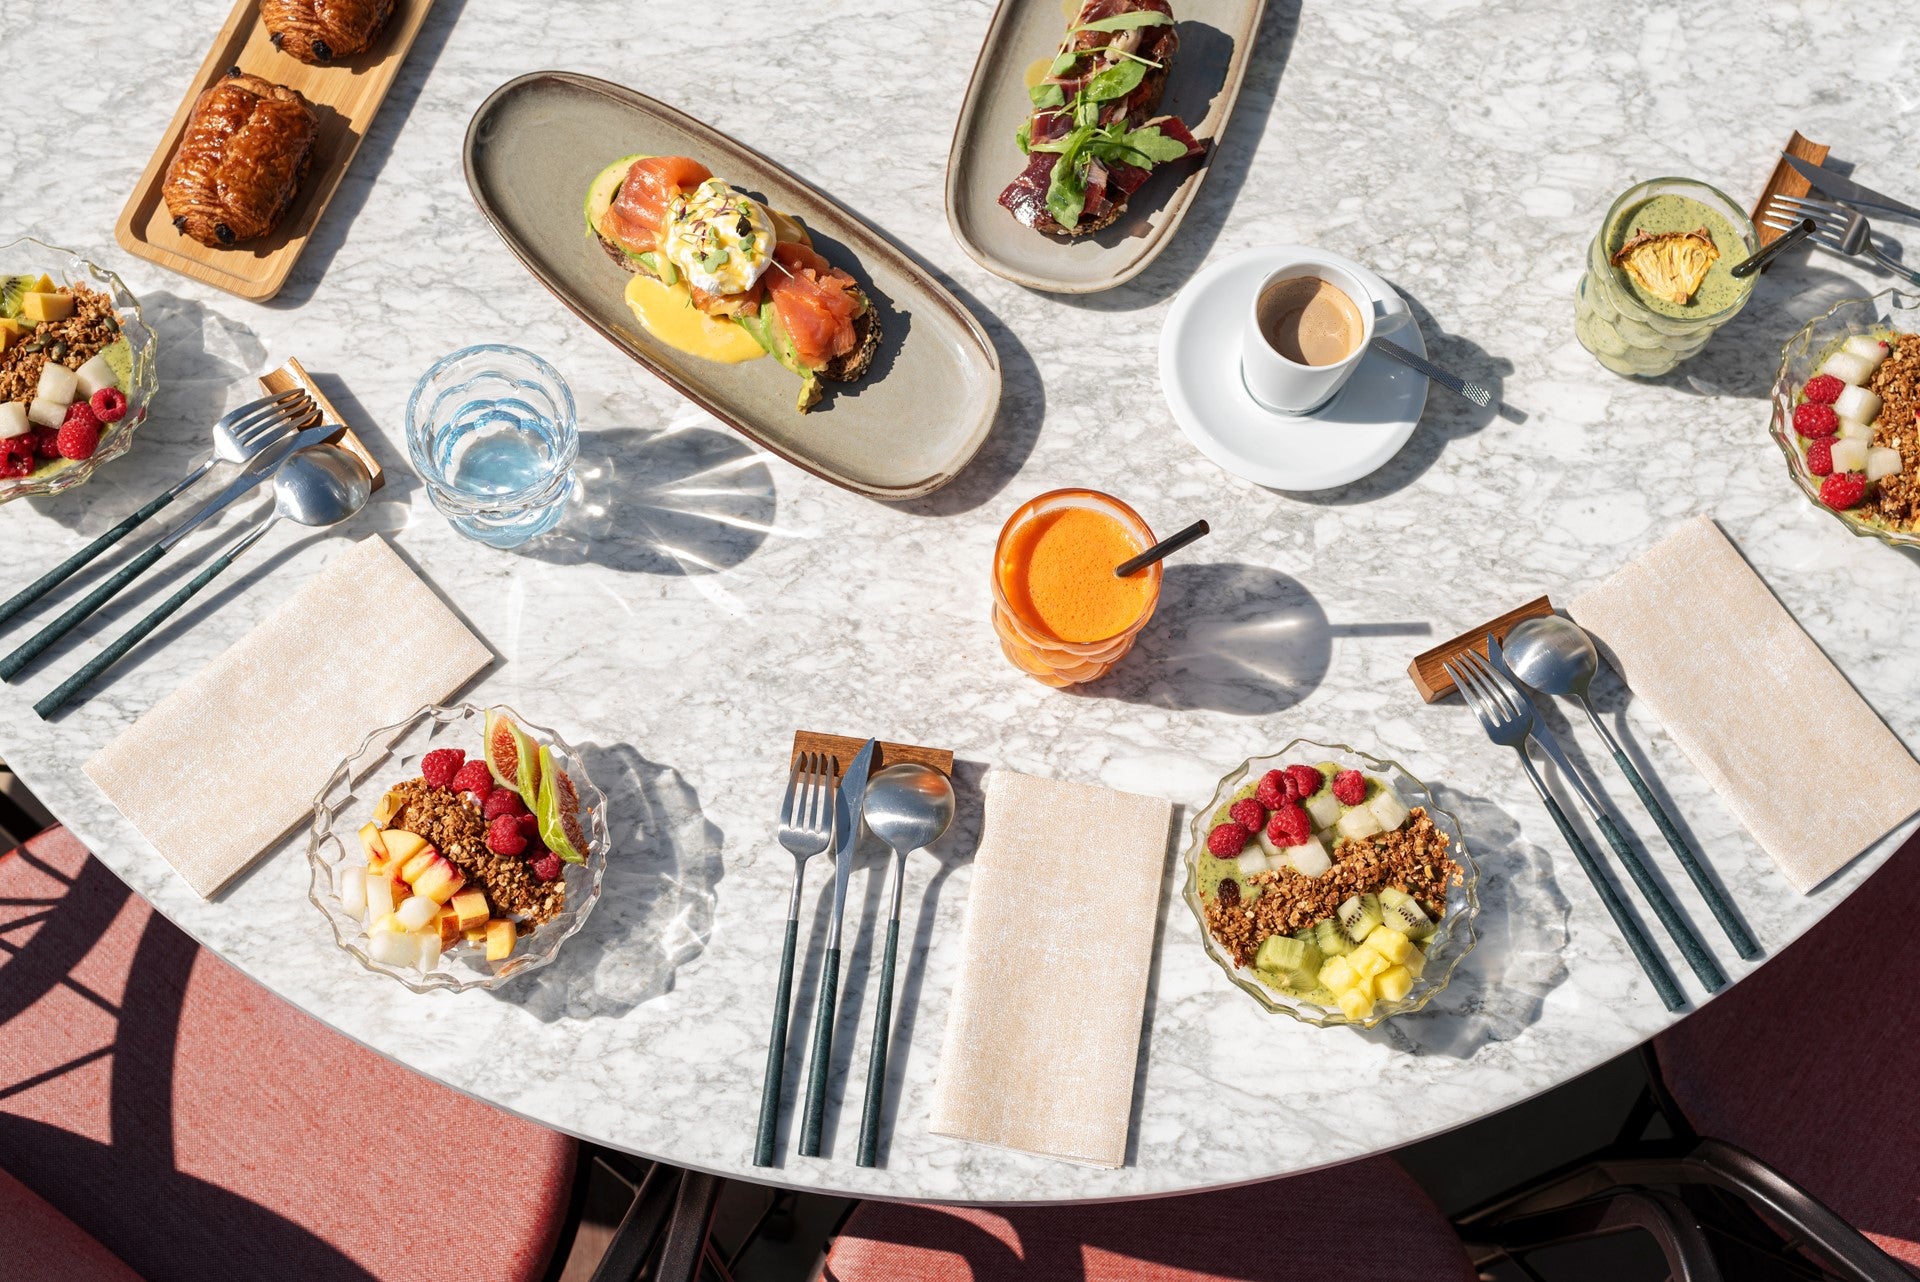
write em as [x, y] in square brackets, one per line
[1363, 426]
[905, 429]
[1216, 40]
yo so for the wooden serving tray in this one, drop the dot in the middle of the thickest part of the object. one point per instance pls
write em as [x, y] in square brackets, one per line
[1428, 677]
[345, 95]
[293, 374]
[1787, 182]
[885, 754]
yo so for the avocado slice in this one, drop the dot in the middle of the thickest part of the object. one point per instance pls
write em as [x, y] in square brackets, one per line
[767, 331]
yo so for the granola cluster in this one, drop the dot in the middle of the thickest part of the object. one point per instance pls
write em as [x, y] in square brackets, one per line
[451, 823]
[1895, 500]
[1413, 859]
[71, 342]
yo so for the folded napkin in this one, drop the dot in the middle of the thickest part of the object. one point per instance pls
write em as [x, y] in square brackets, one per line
[215, 774]
[1044, 1028]
[1751, 699]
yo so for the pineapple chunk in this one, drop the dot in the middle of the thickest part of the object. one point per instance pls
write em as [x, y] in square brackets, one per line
[1394, 983]
[1355, 1004]
[1415, 962]
[1390, 944]
[1337, 976]
[1366, 962]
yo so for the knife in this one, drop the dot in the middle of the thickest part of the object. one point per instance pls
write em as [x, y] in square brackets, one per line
[1848, 190]
[260, 470]
[848, 806]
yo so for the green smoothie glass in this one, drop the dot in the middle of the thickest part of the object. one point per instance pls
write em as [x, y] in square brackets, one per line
[1633, 332]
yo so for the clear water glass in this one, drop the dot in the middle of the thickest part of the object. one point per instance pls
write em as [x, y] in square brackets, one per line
[491, 430]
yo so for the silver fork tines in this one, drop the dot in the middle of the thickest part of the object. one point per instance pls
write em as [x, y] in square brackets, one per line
[1836, 227]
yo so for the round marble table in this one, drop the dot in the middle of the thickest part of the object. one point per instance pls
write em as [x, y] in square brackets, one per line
[703, 600]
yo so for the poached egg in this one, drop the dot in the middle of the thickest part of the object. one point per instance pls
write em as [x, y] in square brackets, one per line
[719, 239]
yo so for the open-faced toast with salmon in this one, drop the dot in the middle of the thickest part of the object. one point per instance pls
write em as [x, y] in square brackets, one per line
[723, 276]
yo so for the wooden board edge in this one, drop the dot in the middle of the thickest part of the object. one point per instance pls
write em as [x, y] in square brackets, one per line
[1425, 671]
[294, 374]
[1785, 181]
[885, 753]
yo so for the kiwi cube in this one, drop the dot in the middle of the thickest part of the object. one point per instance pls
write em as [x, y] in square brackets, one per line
[1279, 954]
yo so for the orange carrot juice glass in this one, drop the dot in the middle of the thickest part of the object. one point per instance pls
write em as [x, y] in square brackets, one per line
[1061, 614]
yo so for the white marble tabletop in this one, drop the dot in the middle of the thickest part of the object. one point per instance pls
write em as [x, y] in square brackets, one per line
[703, 600]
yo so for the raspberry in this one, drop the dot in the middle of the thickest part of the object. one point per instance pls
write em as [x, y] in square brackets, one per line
[16, 456]
[1272, 791]
[1306, 781]
[1226, 841]
[1820, 456]
[1350, 787]
[546, 867]
[1843, 490]
[439, 766]
[504, 801]
[80, 434]
[504, 836]
[1822, 389]
[1290, 825]
[109, 404]
[1810, 419]
[529, 827]
[46, 442]
[1249, 814]
[474, 777]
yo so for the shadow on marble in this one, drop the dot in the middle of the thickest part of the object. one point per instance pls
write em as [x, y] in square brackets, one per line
[350, 197]
[1227, 168]
[672, 501]
[656, 906]
[1520, 957]
[1446, 417]
[1232, 638]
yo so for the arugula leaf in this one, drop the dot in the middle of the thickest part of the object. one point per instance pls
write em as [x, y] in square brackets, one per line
[1115, 82]
[1023, 136]
[1063, 64]
[1144, 147]
[1044, 96]
[1067, 186]
[1126, 21]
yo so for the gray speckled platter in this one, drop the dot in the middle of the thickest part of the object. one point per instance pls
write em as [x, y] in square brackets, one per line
[905, 429]
[1216, 40]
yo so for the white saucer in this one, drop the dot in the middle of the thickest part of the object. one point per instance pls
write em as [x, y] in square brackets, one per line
[1364, 425]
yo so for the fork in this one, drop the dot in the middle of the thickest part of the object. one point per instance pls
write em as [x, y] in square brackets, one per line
[240, 436]
[1510, 726]
[1493, 666]
[1838, 228]
[806, 829]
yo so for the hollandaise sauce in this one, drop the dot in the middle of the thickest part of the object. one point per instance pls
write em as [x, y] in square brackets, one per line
[667, 312]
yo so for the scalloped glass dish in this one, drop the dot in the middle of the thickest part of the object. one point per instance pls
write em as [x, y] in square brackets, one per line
[1452, 939]
[1888, 310]
[391, 756]
[26, 257]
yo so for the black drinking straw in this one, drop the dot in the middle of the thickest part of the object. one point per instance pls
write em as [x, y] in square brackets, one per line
[1751, 265]
[1160, 549]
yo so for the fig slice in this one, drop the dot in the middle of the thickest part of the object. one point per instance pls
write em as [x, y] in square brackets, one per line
[511, 757]
[1668, 265]
[558, 812]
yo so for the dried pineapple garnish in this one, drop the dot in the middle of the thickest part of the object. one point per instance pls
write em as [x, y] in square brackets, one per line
[1669, 265]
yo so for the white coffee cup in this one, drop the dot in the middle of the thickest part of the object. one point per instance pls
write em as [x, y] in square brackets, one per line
[1288, 386]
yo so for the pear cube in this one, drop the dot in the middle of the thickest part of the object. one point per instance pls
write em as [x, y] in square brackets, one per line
[1388, 809]
[13, 420]
[1859, 403]
[1882, 461]
[1358, 823]
[57, 383]
[96, 375]
[1309, 859]
[1324, 809]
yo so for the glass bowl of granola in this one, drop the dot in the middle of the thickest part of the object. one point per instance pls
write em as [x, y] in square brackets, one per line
[1329, 885]
[58, 309]
[458, 849]
[1845, 404]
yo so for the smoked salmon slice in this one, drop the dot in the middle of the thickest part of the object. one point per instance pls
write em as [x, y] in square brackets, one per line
[816, 304]
[637, 214]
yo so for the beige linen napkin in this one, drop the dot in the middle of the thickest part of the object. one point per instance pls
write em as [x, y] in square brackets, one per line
[1044, 1028]
[1751, 699]
[218, 771]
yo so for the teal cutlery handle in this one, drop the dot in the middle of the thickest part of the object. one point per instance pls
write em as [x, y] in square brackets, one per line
[1643, 950]
[776, 1053]
[1691, 948]
[64, 693]
[877, 1061]
[1716, 902]
[822, 1056]
[72, 565]
[32, 648]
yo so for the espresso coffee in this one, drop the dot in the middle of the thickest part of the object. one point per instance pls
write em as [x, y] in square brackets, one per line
[1309, 320]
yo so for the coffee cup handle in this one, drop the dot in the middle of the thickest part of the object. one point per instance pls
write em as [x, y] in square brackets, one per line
[1390, 313]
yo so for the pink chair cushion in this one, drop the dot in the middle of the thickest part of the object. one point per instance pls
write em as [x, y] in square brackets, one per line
[1363, 1222]
[201, 1128]
[1813, 1063]
[42, 1245]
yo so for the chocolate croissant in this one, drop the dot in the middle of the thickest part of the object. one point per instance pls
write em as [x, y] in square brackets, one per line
[318, 31]
[242, 156]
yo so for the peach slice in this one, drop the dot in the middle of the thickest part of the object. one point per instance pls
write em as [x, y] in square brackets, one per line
[411, 871]
[447, 925]
[376, 848]
[402, 845]
[476, 935]
[500, 939]
[470, 908]
[388, 807]
[441, 881]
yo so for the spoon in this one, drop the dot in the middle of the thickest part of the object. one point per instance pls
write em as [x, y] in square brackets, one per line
[320, 486]
[1556, 656]
[908, 806]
